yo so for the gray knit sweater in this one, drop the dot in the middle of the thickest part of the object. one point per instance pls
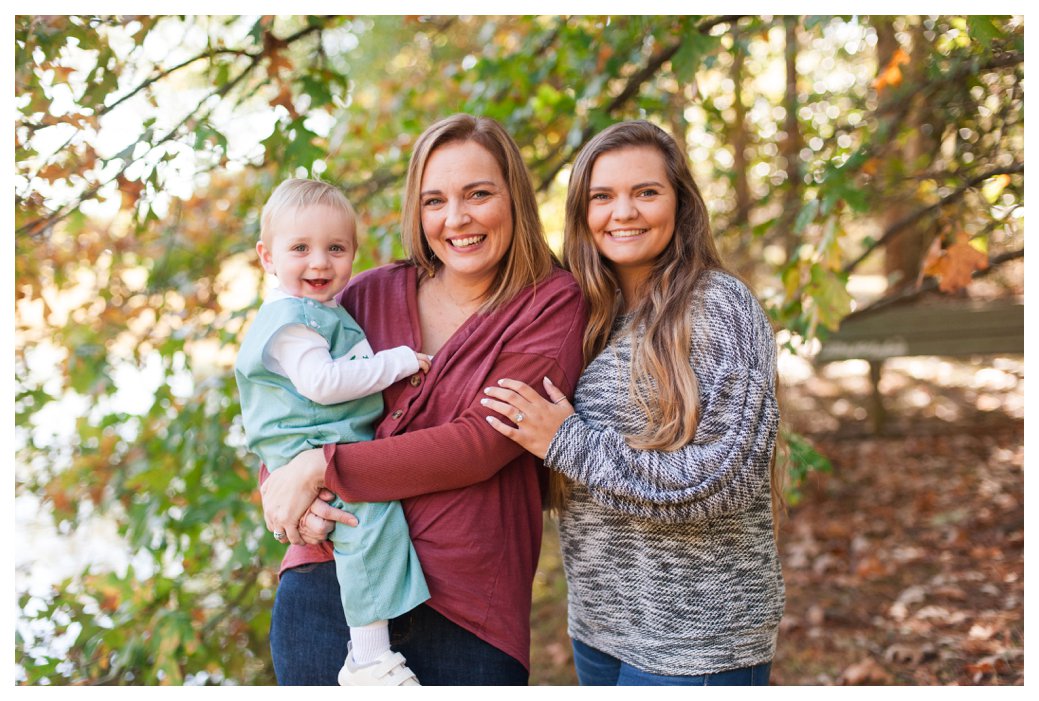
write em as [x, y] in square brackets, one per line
[670, 557]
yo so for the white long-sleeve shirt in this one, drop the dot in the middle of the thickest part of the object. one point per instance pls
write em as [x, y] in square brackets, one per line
[302, 355]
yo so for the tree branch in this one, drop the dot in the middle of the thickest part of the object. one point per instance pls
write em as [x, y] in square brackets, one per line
[631, 87]
[931, 284]
[904, 223]
[39, 226]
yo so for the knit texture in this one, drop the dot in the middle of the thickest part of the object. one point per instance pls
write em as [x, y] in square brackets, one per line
[670, 557]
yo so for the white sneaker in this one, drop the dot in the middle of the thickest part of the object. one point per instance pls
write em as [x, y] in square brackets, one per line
[389, 669]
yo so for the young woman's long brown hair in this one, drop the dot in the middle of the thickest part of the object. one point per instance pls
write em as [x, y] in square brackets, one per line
[663, 384]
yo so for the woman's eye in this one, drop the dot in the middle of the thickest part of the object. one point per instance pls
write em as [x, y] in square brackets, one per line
[432, 202]
[600, 196]
[480, 194]
[648, 193]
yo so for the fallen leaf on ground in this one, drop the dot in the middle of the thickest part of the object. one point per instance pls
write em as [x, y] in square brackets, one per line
[866, 671]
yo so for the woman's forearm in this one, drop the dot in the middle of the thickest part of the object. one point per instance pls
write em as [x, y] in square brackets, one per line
[452, 455]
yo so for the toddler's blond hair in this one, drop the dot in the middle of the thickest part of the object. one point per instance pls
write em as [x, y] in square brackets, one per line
[296, 193]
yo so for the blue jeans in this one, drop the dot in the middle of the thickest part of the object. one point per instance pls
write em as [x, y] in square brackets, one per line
[309, 636]
[596, 668]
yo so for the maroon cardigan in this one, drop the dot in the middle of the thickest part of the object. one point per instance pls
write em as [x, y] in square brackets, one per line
[472, 497]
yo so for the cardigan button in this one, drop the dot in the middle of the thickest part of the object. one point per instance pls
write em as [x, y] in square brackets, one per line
[416, 380]
[397, 414]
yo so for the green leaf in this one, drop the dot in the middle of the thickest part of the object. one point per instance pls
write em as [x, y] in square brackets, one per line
[808, 212]
[983, 29]
[801, 460]
[828, 290]
[695, 46]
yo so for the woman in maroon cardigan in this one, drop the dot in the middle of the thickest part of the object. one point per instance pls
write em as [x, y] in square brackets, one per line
[482, 293]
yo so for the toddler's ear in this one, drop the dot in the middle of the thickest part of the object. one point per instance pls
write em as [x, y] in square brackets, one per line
[266, 260]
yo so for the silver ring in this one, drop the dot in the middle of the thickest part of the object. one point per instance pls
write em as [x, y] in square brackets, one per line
[518, 417]
[278, 535]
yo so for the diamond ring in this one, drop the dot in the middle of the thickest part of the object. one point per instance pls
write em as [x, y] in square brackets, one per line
[278, 535]
[518, 417]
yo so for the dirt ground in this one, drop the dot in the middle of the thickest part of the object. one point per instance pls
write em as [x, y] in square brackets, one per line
[905, 564]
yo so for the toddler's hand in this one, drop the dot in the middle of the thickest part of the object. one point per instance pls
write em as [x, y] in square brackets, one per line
[424, 361]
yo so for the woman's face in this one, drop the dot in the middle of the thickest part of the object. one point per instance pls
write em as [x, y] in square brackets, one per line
[466, 210]
[631, 209]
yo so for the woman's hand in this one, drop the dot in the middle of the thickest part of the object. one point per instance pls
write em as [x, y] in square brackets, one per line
[536, 418]
[321, 518]
[289, 492]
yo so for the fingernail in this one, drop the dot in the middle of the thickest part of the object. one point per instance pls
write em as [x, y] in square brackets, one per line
[500, 382]
[484, 401]
[490, 419]
[548, 380]
[486, 390]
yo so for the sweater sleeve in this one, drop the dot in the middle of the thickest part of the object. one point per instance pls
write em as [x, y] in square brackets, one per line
[452, 455]
[726, 465]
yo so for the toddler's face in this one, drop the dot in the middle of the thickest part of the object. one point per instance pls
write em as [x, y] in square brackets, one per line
[311, 251]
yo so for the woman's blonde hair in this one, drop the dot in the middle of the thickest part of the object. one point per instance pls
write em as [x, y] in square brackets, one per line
[528, 260]
[295, 193]
[662, 382]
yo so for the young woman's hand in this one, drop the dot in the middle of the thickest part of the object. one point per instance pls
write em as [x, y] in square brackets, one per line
[290, 490]
[536, 419]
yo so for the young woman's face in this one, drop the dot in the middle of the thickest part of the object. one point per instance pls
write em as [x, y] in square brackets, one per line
[311, 251]
[631, 209]
[466, 210]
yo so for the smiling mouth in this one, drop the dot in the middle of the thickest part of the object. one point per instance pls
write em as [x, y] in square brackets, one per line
[467, 241]
[626, 233]
[318, 282]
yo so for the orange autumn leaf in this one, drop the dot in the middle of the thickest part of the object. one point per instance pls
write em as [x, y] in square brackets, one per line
[131, 191]
[954, 267]
[274, 49]
[284, 98]
[891, 76]
[53, 171]
[62, 73]
[277, 61]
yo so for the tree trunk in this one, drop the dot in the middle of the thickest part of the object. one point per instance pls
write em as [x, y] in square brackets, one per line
[904, 255]
[790, 148]
[739, 140]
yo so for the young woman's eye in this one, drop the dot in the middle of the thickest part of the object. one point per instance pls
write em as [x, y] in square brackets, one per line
[600, 196]
[432, 202]
[648, 192]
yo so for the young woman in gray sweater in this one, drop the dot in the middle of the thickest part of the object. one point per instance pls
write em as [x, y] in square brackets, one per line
[663, 468]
